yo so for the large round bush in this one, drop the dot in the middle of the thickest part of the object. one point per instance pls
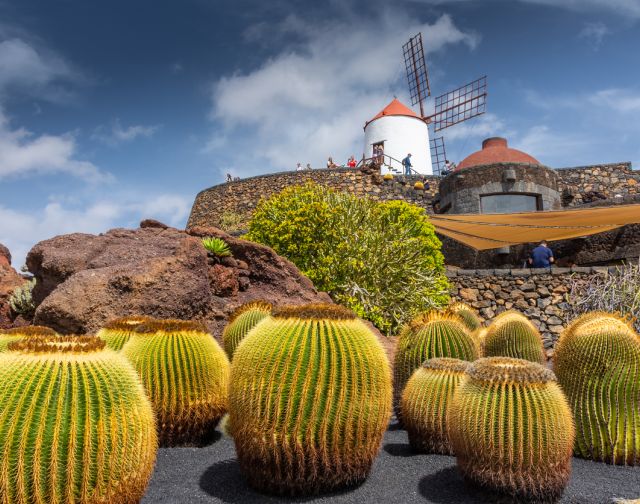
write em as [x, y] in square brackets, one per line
[381, 259]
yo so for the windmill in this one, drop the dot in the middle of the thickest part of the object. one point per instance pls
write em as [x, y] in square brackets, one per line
[452, 107]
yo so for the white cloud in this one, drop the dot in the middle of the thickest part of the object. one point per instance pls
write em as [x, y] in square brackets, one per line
[25, 68]
[624, 101]
[21, 230]
[594, 33]
[311, 101]
[622, 7]
[22, 153]
[116, 134]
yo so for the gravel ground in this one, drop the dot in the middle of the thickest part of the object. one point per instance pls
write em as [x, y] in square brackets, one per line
[212, 474]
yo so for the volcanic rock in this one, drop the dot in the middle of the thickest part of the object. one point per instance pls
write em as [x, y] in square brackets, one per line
[85, 280]
[9, 280]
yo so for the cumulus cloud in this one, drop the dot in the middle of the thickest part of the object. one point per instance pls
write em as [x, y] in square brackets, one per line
[21, 230]
[116, 134]
[311, 101]
[22, 153]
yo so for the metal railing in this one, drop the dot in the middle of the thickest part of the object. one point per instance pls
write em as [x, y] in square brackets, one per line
[386, 161]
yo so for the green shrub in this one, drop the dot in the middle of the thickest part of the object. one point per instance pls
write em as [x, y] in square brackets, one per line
[232, 221]
[21, 301]
[382, 260]
[217, 246]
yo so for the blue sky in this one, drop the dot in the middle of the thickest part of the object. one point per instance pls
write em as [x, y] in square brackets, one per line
[115, 111]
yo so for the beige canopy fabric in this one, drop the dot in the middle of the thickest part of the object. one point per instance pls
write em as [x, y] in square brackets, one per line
[489, 231]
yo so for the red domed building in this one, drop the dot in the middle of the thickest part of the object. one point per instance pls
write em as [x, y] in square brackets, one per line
[499, 179]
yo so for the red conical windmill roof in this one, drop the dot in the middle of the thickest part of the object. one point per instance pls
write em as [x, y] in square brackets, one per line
[395, 108]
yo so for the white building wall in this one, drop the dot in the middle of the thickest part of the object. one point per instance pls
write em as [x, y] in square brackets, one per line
[401, 135]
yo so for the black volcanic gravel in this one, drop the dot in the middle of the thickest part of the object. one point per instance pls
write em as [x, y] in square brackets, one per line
[211, 474]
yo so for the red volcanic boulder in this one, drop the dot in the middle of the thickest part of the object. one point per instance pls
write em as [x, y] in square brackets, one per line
[84, 280]
[9, 280]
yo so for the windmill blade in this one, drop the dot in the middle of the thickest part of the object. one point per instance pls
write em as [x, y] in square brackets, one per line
[438, 154]
[460, 105]
[417, 75]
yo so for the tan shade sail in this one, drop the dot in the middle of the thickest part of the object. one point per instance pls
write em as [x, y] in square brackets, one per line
[489, 231]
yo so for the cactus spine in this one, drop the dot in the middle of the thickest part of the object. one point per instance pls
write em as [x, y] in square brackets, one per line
[241, 321]
[309, 400]
[185, 373]
[75, 424]
[425, 401]
[467, 314]
[117, 332]
[511, 334]
[8, 336]
[597, 361]
[511, 429]
[430, 335]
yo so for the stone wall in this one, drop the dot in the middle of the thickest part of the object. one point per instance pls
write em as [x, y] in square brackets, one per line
[240, 198]
[540, 294]
[585, 184]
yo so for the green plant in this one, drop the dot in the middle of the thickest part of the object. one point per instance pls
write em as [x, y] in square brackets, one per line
[425, 400]
[217, 246]
[186, 374]
[241, 321]
[467, 314]
[430, 335]
[511, 429]
[309, 400]
[75, 424]
[21, 300]
[511, 334]
[597, 361]
[382, 260]
[8, 336]
[232, 221]
[613, 292]
[117, 332]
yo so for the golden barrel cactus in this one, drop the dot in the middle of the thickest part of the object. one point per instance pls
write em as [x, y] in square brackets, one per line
[309, 401]
[117, 332]
[430, 335]
[511, 429]
[76, 426]
[186, 374]
[425, 401]
[597, 361]
[8, 336]
[511, 334]
[468, 315]
[241, 321]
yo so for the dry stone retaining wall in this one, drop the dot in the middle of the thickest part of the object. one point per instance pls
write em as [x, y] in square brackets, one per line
[540, 294]
[577, 185]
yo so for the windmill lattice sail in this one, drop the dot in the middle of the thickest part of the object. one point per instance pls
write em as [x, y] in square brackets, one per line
[417, 75]
[460, 104]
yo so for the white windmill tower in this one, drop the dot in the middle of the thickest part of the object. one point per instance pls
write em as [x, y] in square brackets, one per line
[397, 130]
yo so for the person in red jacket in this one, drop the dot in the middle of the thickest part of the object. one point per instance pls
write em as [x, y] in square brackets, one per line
[352, 162]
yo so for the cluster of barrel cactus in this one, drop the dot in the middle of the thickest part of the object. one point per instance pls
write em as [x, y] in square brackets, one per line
[511, 429]
[433, 334]
[186, 375]
[597, 361]
[309, 400]
[75, 423]
[241, 321]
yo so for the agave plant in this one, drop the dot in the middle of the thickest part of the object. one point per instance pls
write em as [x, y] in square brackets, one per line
[217, 246]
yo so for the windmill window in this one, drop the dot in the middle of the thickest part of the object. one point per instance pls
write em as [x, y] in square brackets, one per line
[510, 202]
